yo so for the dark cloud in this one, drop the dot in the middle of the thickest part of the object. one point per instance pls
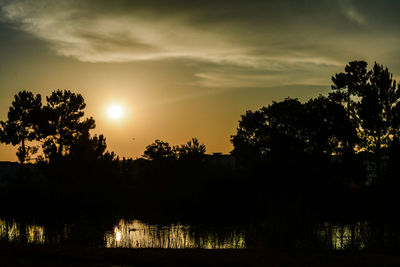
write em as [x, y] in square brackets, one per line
[256, 36]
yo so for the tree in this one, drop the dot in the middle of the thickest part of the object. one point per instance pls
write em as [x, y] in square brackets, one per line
[348, 85]
[63, 124]
[89, 148]
[159, 150]
[275, 132]
[290, 131]
[191, 150]
[249, 143]
[379, 112]
[22, 124]
[90, 152]
[327, 126]
[374, 109]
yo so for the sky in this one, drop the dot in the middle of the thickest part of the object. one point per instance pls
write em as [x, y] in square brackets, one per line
[181, 69]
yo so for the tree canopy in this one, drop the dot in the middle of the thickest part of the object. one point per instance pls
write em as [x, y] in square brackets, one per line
[22, 123]
[159, 150]
[361, 114]
[291, 128]
[191, 150]
[63, 125]
[58, 125]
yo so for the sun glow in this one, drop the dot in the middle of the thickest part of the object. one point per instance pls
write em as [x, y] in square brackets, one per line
[115, 112]
[118, 235]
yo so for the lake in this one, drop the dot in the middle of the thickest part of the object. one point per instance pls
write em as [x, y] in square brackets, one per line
[134, 233]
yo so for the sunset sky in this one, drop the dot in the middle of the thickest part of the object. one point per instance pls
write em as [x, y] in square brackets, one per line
[183, 69]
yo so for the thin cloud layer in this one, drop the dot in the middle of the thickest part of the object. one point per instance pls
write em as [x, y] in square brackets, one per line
[119, 37]
[351, 12]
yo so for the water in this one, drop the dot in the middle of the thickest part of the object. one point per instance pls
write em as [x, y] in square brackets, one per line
[128, 234]
[346, 236]
[139, 234]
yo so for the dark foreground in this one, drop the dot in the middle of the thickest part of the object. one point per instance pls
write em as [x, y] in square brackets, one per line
[37, 255]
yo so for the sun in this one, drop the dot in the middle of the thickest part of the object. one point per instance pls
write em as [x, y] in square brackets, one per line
[115, 112]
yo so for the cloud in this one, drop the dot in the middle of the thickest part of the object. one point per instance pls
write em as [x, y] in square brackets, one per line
[351, 12]
[141, 32]
[281, 72]
[115, 38]
[245, 41]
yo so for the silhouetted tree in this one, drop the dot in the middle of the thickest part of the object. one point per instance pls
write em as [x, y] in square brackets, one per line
[64, 125]
[379, 112]
[90, 160]
[327, 126]
[249, 143]
[159, 150]
[22, 123]
[328, 130]
[191, 150]
[289, 132]
[374, 110]
[272, 131]
[286, 134]
[89, 148]
[348, 88]
[348, 85]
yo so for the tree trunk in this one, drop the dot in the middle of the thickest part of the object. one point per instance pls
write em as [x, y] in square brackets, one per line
[23, 157]
[378, 160]
[348, 116]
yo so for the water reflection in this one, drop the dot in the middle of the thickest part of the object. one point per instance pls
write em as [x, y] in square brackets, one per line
[126, 234]
[35, 234]
[345, 236]
[136, 234]
[30, 233]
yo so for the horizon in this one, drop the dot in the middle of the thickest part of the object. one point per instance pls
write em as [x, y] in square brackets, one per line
[181, 70]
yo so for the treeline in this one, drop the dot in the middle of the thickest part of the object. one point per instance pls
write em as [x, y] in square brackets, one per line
[56, 139]
[323, 152]
[58, 126]
[361, 116]
[332, 154]
[63, 165]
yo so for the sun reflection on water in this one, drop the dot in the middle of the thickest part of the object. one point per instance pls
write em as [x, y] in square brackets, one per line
[118, 235]
[136, 234]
